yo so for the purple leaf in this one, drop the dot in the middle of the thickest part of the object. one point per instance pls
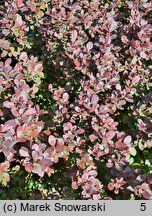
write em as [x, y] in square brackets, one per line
[92, 173]
[143, 55]
[24, 56]
[65, 97]
[110, 134]
[74, 35]
[113, 26]
[18, 21]
[38, 67]
[24, 152]
[29, 112]
[89, 46]
[45, 163]
[124, 39]
[35, 155]
[9, 125]
[8, 62]
[8, 104]
[127, 140]
[94, 99]
[135, 79]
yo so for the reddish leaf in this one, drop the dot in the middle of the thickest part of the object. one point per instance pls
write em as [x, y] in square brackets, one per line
[69, 124]
[19, 3]
[136, 44]
[1, 112]
[95, 127]
[85, 177]
[33, 133]
[32, 8]
[110, 134]
[110, 186]
[47, 132]
[74, 185]
[34, 89]
[107, 74]
[50, 87]
[92, 137]
[80, 131]
[77, 63]
[19, 131]
[77, 109]
[52, 140]
[28, 166]
[70, 148]
[81, 164]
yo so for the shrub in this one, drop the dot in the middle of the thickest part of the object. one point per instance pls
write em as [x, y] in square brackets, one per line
[76, 96]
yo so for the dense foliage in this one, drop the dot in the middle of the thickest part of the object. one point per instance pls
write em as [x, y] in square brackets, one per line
[75, 99]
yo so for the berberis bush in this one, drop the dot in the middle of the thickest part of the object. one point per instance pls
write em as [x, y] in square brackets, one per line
[75, 98]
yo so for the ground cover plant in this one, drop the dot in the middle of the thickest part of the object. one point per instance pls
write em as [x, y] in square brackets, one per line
[75, 99]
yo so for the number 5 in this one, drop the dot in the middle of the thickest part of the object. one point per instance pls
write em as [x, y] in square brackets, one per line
[143, 206]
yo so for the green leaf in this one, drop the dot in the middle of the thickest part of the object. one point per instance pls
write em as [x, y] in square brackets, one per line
[133, 151]
[131, 161]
